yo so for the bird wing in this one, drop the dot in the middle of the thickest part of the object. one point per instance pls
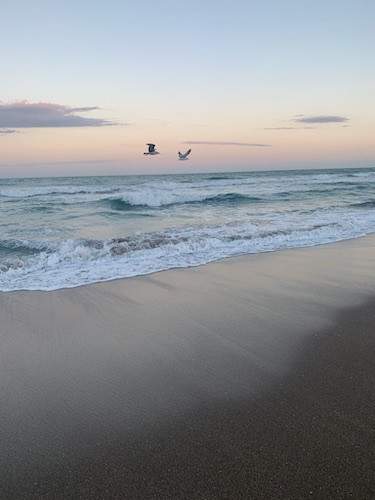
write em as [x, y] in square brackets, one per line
[151, 148]
[183, 156]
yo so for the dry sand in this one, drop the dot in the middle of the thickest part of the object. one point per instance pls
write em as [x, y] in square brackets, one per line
[249, 378]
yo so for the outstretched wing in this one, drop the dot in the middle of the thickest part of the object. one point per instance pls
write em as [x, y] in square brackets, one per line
[183, 156]
[151, 148]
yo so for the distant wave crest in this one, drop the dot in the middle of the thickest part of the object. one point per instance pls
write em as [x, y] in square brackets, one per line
[364, 204]
[128, 202]
[40, 192]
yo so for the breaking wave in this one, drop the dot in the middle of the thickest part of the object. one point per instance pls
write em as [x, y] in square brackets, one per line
[128, 202]
[70, 263]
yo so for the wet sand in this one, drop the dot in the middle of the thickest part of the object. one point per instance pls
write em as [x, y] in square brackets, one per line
[249, 378]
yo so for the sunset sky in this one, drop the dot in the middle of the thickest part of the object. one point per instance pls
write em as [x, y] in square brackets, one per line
[248, 84]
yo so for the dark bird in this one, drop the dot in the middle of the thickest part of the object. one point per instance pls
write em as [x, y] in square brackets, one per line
[151, 150]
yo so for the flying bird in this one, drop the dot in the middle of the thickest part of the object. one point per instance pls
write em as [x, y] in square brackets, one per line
[151, 150]
[184, 156]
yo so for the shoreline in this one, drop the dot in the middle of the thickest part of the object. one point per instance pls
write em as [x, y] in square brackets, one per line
[218, 261]
[251, 376]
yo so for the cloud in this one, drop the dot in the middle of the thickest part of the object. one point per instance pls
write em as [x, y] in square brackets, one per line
[320, 119]
[7, 131]
[289, 128]
[227, 143]
[311, 120]
[279, 128]
[43, 114]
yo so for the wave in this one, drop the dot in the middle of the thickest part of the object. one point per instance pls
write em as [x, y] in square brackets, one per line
[128, 202]
[118, 204]
[45, 265]
[40, 192]
[120, 195]
[129, 213]
[42, 208]
[341, 187]
[23, 247]
[352, 184]
[364, 204]
[174, 195]
[219, 177]
[229, 198]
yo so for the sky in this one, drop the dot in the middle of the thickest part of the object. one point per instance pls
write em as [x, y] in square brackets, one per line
[246, 84]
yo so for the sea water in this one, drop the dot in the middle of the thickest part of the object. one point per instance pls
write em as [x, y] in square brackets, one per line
[65, 232]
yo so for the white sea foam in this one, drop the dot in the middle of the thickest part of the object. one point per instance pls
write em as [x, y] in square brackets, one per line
[72, 263]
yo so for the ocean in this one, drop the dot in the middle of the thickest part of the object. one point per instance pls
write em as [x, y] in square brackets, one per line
[65, 232]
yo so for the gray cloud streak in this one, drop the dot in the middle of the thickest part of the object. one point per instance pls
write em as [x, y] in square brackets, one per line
[227, 143]
[280, 128]
[289, 128]
[321, 119]
[43, 114]
[6, 131]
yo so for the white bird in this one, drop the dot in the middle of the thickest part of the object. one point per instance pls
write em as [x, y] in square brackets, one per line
[184, 156]
[151, 150]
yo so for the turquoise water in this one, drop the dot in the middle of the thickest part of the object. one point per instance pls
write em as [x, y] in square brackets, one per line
[64, 232]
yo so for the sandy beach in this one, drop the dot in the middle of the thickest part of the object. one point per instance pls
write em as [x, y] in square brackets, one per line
[253, 377]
